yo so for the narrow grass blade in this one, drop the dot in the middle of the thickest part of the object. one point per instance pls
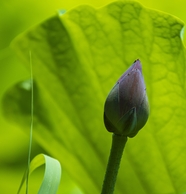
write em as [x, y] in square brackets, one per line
[31, 121]
[52, 175]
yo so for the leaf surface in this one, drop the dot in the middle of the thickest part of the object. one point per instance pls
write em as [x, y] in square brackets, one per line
[77, 58]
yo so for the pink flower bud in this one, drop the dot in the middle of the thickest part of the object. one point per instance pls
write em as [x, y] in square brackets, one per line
[126, 108]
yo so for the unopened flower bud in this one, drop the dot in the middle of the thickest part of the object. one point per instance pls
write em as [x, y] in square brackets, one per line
[126, 108]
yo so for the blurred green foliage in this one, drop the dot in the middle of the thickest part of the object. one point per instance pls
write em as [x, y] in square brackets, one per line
[16, 17]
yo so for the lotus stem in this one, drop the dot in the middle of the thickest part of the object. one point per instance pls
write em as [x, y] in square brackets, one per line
[118, 144]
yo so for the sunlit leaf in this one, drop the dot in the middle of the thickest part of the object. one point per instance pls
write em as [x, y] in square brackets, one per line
[51, 177]
[77, 58]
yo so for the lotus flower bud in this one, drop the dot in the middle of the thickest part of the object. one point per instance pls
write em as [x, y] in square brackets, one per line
[126, 108]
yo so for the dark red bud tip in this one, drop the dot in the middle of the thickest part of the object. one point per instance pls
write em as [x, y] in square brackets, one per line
[137, 65]
[126, 108]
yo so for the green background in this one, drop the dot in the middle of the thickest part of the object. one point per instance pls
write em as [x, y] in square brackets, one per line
[16, 17]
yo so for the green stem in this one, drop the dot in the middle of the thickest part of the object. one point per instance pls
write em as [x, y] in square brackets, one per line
[118, 144]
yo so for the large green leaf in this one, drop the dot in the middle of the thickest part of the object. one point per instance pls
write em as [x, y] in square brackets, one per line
[77, 58]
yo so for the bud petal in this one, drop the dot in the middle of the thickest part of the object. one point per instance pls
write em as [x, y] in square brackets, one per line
[126, 108]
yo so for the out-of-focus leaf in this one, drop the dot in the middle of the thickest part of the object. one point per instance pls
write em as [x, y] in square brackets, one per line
[51, 177]
[77, 58]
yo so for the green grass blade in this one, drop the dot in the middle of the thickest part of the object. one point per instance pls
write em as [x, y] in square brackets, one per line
[31, 121]
[52, 175]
